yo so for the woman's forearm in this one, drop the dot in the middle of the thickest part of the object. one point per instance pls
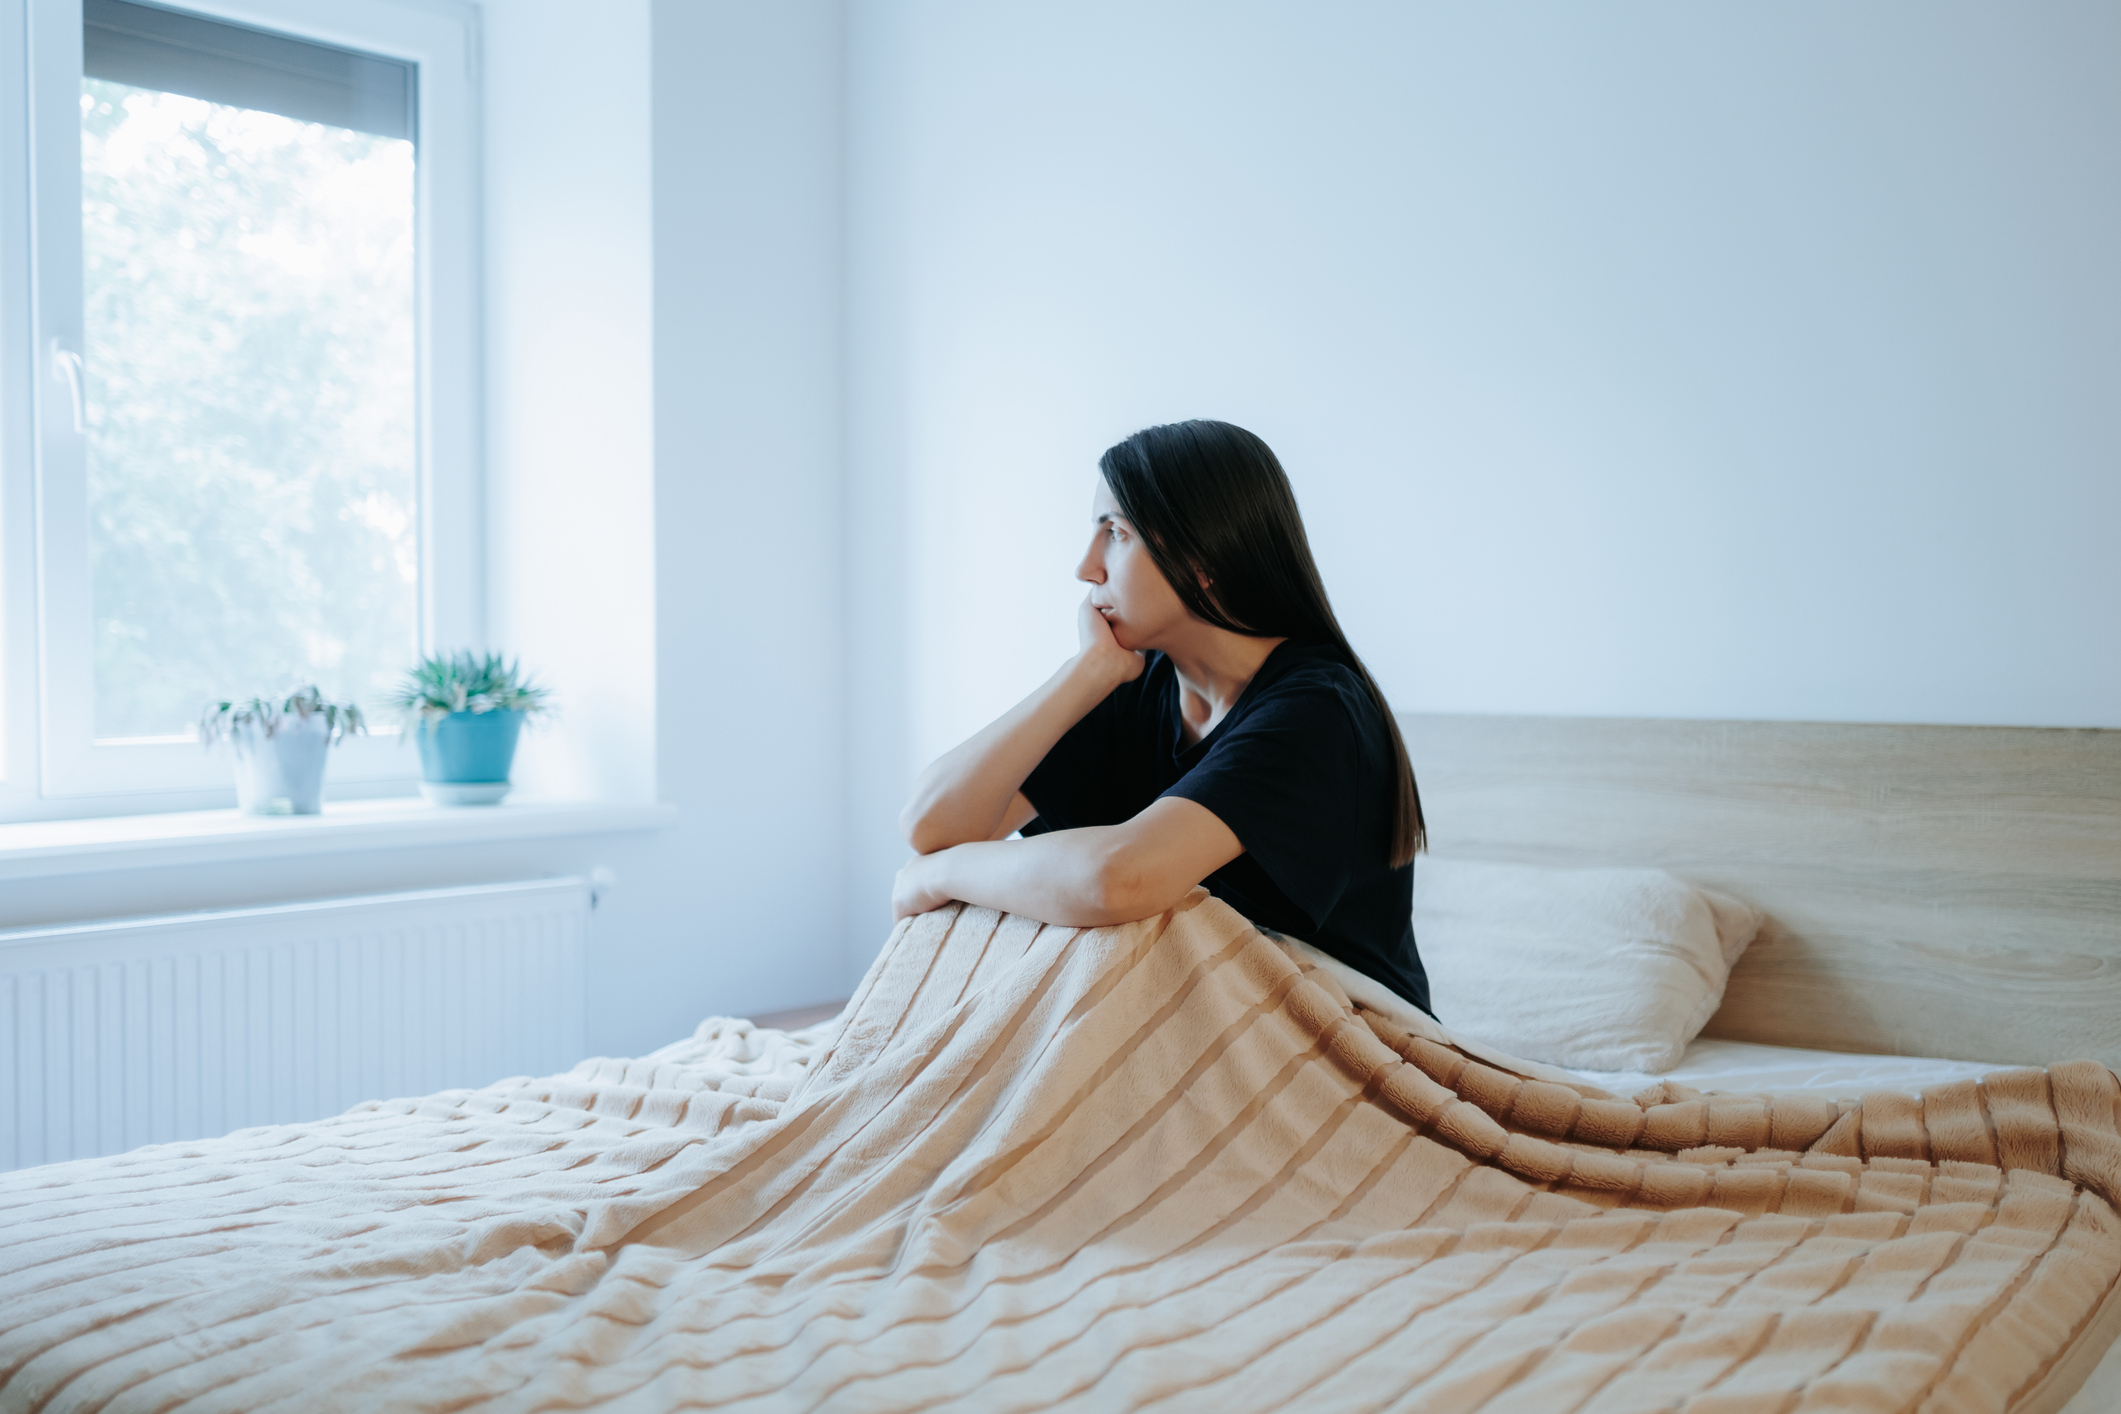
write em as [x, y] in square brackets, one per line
[964, 795]
[1070, 878]
[1083, 878]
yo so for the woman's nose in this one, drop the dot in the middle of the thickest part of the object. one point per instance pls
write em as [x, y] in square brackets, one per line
[1092, 569]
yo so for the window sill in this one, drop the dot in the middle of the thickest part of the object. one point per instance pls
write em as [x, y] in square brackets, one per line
[45, 848]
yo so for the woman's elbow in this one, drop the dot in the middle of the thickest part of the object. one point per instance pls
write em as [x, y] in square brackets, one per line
[917, 824]
[1121, 891]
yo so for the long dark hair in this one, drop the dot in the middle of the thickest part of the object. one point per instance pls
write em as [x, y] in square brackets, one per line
[1215, 510]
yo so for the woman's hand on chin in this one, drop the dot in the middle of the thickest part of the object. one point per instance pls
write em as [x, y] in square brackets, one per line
[916, 890]
[1100, 650]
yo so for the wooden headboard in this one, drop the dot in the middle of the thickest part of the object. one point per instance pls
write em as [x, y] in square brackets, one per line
[1942, 891]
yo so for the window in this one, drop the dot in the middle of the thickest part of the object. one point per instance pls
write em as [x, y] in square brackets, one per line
[250, 381]
[248, 356]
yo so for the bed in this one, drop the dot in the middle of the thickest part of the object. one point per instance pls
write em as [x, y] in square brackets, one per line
[1174, 1165]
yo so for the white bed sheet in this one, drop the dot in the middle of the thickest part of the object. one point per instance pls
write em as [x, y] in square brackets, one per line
[1747, 1066]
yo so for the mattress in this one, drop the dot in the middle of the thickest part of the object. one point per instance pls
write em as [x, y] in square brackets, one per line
[1745, 1066]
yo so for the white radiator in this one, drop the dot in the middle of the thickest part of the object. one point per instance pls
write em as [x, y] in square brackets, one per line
[147, 1030]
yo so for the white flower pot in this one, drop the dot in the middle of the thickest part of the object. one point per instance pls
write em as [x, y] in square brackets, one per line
[282, 774]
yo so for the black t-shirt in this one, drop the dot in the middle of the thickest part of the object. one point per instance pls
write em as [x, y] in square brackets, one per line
[1300, 770]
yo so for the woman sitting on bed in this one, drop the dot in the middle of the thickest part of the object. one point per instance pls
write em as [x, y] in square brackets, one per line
[1214, 728]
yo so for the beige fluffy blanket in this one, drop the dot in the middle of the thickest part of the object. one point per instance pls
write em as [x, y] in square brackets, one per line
[1165, 1164]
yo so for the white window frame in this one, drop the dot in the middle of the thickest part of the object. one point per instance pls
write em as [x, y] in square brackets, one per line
[50, 763]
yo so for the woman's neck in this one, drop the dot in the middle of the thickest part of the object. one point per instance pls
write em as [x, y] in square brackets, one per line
[1214, 668]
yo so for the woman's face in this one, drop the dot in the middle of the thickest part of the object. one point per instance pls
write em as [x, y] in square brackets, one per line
[1126, 587]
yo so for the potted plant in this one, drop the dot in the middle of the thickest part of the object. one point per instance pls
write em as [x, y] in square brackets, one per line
[466, 711]
[279, 747]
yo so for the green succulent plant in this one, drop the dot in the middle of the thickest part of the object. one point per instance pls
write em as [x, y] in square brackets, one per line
[223, 721]
[464, 681]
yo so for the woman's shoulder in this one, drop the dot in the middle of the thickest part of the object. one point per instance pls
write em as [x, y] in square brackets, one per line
[1299, 666]
[1314, 680]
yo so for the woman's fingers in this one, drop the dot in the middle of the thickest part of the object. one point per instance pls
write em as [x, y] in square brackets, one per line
[1098, 644]
[1091, 630]
[912, 892]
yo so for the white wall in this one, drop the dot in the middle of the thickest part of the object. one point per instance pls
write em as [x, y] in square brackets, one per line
[748, 528]
[1659, 359]
[663, 465]
[571, 471]
[570, 394]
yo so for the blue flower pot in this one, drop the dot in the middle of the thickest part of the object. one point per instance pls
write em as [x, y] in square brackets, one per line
[466, 756]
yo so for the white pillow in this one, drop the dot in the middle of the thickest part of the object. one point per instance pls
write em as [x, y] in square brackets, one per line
[1595, 969]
